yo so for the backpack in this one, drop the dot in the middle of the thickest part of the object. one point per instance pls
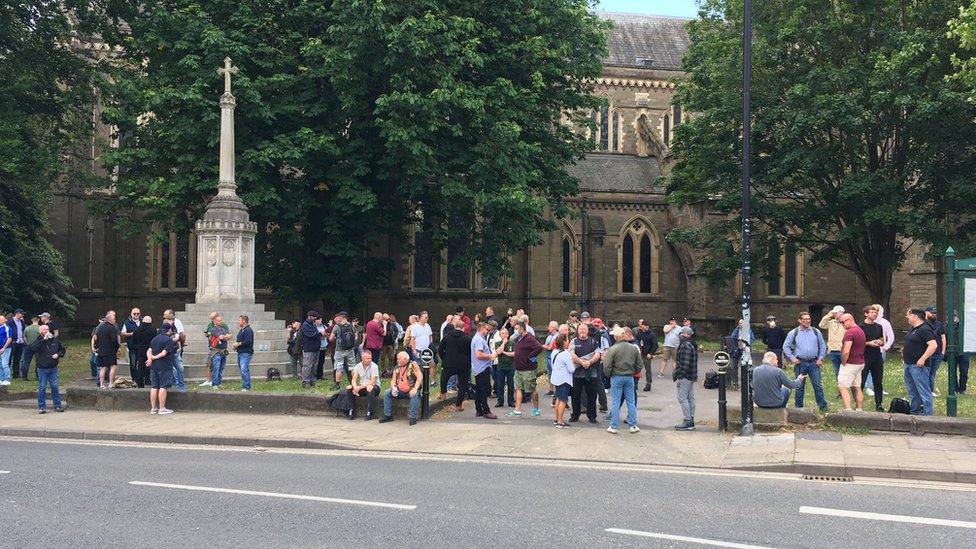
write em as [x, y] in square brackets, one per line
[345, 337]
[899, 406]
[711, 380]
[340, 402]
[274, 374]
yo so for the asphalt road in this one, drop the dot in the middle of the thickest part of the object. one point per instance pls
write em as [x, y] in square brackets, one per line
[82, 495]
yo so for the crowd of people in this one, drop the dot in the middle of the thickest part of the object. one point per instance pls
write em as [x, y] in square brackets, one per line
[857, 352]
[590, 366]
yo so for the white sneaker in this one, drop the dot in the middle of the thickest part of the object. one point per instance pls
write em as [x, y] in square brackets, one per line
[885, 393]
[165, 411]
[934, 393]
[611, 430]
[869, 392]
[205, 384]
[153, 412]
[5, 383]
[244, 390]
[635, 429]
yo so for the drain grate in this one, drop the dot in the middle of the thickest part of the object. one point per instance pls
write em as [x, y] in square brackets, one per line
[828, 478]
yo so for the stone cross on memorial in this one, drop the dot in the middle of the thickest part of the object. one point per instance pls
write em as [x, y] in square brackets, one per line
[227, 70]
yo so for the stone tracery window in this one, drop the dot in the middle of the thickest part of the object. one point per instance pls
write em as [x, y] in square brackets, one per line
[568, 261]
[638, 259]
[173, 262]
[784, 272]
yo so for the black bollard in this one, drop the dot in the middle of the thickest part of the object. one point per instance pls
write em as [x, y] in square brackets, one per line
[425, 396]
[723, 421]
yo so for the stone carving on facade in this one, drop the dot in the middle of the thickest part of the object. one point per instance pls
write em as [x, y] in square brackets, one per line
[229, 254]
[211, 252]
[245, 244]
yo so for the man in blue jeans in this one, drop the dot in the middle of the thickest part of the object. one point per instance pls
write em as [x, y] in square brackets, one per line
[219, 335]
[920, 345]
[49, 352]
[939, 328]
[245, 350]
[805, 349]
[620, 363]
[406, 382]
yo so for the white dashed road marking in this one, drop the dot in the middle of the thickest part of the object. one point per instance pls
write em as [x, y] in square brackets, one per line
[672, 537]
[888, 518]
[275, 495]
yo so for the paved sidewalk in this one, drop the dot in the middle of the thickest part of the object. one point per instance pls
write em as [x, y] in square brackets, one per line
[816, 453]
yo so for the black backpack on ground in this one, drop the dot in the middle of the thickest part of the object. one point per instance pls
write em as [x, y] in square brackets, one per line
[711, 380]
[274, 374]
[340, 402]
[899, 406]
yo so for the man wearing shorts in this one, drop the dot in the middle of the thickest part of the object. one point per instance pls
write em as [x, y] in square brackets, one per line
[526, 348]
[852, 362]
[159, 358]
[672, 338]
[105, 344]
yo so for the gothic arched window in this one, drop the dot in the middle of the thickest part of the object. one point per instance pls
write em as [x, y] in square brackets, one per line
[638, 259]
[784, 274]
[173, 262]
[666, 133]
[616, 131]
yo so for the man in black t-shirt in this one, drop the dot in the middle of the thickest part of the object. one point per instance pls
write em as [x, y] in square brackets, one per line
[159, 358]
[939, 329]
[105, 344]
[919, 347]
[873, 361]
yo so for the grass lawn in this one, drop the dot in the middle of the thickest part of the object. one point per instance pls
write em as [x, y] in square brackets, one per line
[73, 367]
[894, 384]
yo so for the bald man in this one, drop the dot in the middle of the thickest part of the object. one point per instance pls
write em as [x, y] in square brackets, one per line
[851, 361]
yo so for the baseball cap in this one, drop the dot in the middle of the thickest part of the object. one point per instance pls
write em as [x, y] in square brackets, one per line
[19, 310]
[686, 330]
[585, 314]
[770, 317]
[930, 310]
[573, 313]
[45, 315]
[343, 314]
[838, 309]
[598, 322]
[314, 314]
[166, 327]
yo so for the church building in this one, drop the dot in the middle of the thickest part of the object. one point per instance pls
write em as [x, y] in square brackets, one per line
[612, 258]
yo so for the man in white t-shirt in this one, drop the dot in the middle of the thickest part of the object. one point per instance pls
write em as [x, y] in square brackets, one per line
[421, 336]
[179, 340]
[365, 382]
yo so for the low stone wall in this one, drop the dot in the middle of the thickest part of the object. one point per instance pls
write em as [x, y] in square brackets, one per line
[228, 402]
[903, 423]
[771, 420]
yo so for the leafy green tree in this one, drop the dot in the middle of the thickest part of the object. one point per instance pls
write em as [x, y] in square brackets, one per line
[863, 148]
[46, 106]
[355, 119]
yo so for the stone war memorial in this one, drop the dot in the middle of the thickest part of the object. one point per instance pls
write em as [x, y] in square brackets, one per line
[225, 266]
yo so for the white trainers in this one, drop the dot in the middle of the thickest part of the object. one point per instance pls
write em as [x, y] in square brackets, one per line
[165, 411]
[5, 383]
[153, 412]
[634, 429]
[205, 384]
[611, 430]
[244, 390]
[869, 391]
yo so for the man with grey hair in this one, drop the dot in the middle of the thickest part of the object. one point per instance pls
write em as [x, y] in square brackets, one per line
[770, 385]
[685, 375]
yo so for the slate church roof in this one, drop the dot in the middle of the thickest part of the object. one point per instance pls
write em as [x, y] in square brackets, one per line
[662, 40]
[600, 172]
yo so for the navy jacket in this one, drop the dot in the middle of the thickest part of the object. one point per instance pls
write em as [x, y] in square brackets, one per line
[311, 340]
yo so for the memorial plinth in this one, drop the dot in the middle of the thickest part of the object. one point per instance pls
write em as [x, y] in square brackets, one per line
[225, 266]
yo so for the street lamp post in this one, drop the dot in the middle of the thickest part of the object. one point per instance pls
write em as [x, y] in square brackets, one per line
[745, 339]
